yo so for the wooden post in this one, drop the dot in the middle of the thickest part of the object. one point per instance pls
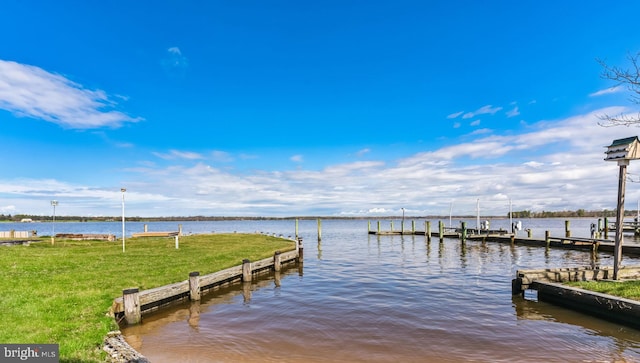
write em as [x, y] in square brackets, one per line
[277, 261]
[617, 252]
[378, 227]
[529, 233]
[319, 229]
[177, 243]
[369, 226]
[131, 301]
[463, 236]
[246, 270]
[146, 228]
[194, 285]
[392, 226]
[547, 238]
[567, 230]
[606, 228]
[296, 228]
[179, 229]
[441, 230]
[300, 250]
[413, 227]
[599, 230]
[427, 229]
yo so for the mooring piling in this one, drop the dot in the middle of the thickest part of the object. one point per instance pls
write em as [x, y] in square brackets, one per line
[131, 301]
[277, 261]
[246, 270]
[194, 286]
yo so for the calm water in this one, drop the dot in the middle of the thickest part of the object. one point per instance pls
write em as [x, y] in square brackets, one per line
[362, 298]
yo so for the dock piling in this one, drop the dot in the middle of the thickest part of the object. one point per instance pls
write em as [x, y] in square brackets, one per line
[246, 270]
[131, 301]
[427, 229]
[277, 261]
[567, 230]
[463, 235]
[194, 286]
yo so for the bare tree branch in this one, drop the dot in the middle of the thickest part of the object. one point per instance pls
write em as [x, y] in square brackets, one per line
[630, 78]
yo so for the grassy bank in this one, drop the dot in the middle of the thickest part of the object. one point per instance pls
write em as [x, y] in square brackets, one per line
[625, 289]
[61, 294]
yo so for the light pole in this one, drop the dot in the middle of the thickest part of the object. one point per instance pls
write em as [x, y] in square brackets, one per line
[622, 151]
[54, 203]
[123, 190]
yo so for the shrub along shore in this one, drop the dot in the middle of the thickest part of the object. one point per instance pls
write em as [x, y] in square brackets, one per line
[60, 294]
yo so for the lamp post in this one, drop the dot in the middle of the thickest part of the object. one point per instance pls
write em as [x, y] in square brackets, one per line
[622, 151]
[54, 203]
[123, 190]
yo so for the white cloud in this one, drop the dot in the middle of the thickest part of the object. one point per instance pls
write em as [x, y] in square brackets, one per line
[455, 115]
[176, 154]
[513, 112]
[174, 63]
[554, 165]
[488, 109]
[456, 125]
[296, 158]
[362, 152]
[29, 91]
[475, 123]
[221, 156]
[607, 91]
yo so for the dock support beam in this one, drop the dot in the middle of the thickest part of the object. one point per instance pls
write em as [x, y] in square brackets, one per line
[427, 229]
[132, 311]
[194, 286]
[277, 261]
[246, 270]
[463, 235]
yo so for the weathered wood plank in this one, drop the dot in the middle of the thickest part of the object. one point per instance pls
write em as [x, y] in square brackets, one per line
[150, 298]
[155, 234]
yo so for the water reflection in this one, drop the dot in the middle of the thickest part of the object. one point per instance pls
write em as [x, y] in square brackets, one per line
[623, 339]
[367, 298]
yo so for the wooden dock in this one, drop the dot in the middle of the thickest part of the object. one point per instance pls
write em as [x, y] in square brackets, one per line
[156, 234]
[503, 236]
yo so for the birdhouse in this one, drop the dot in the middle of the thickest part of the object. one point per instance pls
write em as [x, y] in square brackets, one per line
[623, 149]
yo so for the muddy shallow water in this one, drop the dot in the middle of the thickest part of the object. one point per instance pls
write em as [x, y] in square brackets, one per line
[362, 298]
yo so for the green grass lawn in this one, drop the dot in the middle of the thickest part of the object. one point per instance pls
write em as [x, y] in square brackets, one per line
[61, 293]
[625, 289]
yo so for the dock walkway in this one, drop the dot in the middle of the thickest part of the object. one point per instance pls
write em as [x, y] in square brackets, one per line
[503, 236]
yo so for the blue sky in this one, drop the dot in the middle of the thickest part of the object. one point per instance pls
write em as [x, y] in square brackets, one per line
[293, 108]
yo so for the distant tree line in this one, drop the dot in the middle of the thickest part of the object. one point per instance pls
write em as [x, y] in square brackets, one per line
[515, 214]
[570, 214]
